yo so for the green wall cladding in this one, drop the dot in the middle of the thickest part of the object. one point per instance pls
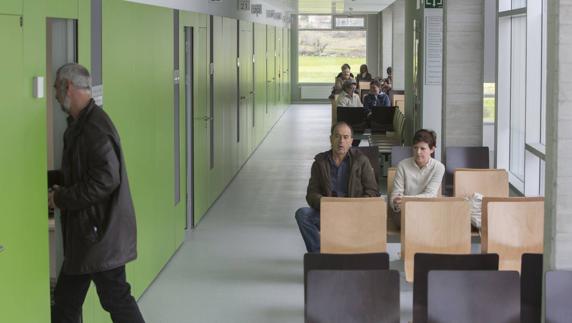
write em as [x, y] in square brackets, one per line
[138, 95]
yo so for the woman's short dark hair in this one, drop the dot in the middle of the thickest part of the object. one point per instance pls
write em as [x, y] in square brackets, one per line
[427, 136]
[346, 66]
[376, 83]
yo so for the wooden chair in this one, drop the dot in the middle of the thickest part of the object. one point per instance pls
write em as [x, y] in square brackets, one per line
[399, 101]
[558, 296]
[488, 182]
[473, 296]
[334, 109]
[362, 261]
[531, 288]
[352, 296]
[353, 225]
[463, 157]
[426, 262]
[434, 225]
[512, 226]
[364, 85]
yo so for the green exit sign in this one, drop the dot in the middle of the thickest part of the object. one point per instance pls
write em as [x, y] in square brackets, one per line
[434, 3]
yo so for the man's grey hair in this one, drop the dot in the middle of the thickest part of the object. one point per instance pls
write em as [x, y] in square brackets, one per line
[76, 74]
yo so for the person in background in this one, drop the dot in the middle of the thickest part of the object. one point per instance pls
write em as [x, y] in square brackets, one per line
[338, 172]
[342, 77]
[346, 66]
[375, 98]
[98, 219]
[417, 176]
[348, 98]
[363, 74]
[387, 84]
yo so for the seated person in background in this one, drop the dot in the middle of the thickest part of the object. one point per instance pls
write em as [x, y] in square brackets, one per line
[375, 98]
[341, 172]
[344, 67]
[363, 74]
[417, 176]
[344, 76]
[387, 83]
[348, 98]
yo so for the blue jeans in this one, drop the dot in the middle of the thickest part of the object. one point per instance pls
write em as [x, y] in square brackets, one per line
[309, 223]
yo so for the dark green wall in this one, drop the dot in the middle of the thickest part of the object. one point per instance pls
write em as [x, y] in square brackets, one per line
[138, 95]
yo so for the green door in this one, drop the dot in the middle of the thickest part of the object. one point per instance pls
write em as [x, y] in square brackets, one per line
[24, 270]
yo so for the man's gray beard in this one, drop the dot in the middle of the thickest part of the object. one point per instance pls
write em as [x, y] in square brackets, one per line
[66, 106]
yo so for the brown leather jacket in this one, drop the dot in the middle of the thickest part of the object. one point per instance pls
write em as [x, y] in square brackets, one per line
[361, 181]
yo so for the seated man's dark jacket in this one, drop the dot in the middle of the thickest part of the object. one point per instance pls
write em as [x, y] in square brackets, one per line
[361, 180]
[98, 219]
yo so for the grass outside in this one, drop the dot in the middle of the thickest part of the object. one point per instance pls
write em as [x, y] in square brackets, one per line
[323, 69]
[489, 109]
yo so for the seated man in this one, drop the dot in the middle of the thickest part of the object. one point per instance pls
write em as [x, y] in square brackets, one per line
[337, 172]
[375, 98]
[348, 98]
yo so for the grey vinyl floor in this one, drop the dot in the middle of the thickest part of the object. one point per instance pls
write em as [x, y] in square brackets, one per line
[243, 263]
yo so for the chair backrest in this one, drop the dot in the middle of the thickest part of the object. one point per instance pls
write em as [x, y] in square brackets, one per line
[381, 119]
[353, 225]
[356, 117]
[399, 101]
[434, 225]
[334, 109]
[364, 85]
[426, 262]
[531, 288]
[399, 153]
[512, 226]
[361, 261]
[372, 153]
[488, 182]
[352, 296]
[473, 296]
[391, 171]
[558, 296]
[463, 157]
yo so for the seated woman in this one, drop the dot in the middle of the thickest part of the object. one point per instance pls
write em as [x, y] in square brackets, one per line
[417, 176]
[344, 67]
[375, 98]
[363, 74]
[348, 98]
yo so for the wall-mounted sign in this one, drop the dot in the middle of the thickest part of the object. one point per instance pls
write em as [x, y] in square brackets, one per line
[277, 15]
[434, 3]
[256, 9]
[244, 5]
[218, 1]
[269, 13]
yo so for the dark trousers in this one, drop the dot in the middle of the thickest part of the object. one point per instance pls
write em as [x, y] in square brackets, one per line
[308, 220]
[114, 295]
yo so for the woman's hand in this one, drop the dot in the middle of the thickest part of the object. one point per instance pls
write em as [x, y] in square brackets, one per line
[397, 202]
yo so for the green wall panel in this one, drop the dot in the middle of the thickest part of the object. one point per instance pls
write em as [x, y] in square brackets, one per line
[24, 279]
[11, 7]
[260, 80]
[62, 9]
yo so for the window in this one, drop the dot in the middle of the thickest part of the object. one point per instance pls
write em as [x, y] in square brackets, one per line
[521, 93]
[327, 42]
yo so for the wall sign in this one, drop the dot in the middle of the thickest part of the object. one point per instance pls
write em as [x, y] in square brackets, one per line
[244, 5]
[434, 3]
[269, 13]
[256, 9]
[277, 15]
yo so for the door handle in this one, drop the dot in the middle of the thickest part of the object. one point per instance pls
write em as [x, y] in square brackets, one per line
[1, 248]
[207, 118]
[243, 98]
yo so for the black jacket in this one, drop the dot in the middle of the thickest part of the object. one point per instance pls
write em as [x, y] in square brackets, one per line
[361, 181]
[98, 219]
